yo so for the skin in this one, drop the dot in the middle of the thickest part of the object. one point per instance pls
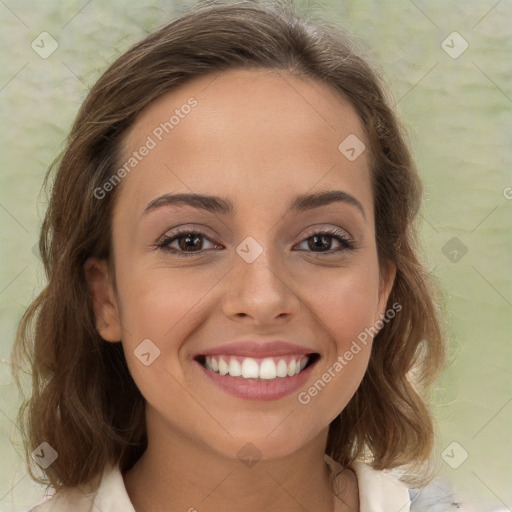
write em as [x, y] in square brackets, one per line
[260, 138]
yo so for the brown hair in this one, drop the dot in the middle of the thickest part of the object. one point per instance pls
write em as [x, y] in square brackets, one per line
[84, 402]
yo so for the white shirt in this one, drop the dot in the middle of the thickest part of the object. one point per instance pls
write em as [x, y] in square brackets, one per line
[378, 492]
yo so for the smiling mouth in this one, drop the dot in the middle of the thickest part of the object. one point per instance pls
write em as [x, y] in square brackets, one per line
[266, 368]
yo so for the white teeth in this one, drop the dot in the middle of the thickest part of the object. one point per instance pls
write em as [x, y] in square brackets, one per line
[268, 368]
[291, 368]
[223, 367]
[282, 368]
[250, 368]
[235, 368]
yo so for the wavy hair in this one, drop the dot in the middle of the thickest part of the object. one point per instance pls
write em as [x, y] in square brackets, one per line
[83, 400]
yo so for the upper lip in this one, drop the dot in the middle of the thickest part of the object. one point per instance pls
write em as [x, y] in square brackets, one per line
[257, 349]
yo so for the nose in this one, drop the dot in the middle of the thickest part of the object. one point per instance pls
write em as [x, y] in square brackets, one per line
[260, 291]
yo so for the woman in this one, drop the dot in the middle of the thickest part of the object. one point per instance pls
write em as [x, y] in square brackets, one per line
[235, 313]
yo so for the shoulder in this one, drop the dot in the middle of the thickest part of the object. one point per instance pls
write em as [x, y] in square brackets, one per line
[109, 495]
[64, 500]
[437, 496]
[383, 490]
[379, 490]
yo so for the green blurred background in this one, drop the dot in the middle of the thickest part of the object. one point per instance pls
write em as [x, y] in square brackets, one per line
[456, 105]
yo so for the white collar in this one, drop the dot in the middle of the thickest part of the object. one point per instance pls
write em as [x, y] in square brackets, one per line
[112, 495]
[378, 491]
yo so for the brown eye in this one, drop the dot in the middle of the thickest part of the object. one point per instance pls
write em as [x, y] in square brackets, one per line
[322, 241]
[191, 241]
[185, 243]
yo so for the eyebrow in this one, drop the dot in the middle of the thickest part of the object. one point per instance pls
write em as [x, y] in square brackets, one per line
[225, 206]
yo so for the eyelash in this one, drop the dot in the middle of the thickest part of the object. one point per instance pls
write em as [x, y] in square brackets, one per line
[346, 243]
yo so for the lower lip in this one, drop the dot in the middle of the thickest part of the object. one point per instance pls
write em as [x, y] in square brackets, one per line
[257, 389]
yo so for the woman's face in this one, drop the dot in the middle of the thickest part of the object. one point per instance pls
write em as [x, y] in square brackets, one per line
[255, 157]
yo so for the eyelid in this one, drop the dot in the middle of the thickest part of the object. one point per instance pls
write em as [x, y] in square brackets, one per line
[188, 228]
[328, 230]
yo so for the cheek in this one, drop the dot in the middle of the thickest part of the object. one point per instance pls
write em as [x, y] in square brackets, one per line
[345, 306]
[165, 307]
[159, 303]
[350, 310]
[345, 300]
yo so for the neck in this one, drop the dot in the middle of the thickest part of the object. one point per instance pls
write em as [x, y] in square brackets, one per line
[177, 473]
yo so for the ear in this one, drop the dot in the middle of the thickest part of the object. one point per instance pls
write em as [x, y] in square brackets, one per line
[387, 275]
[103, 298]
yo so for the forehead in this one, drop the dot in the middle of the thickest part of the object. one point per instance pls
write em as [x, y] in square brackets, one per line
[246, 132]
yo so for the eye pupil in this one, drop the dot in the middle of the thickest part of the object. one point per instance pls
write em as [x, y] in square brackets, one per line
[320, 242]
[190, 241]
